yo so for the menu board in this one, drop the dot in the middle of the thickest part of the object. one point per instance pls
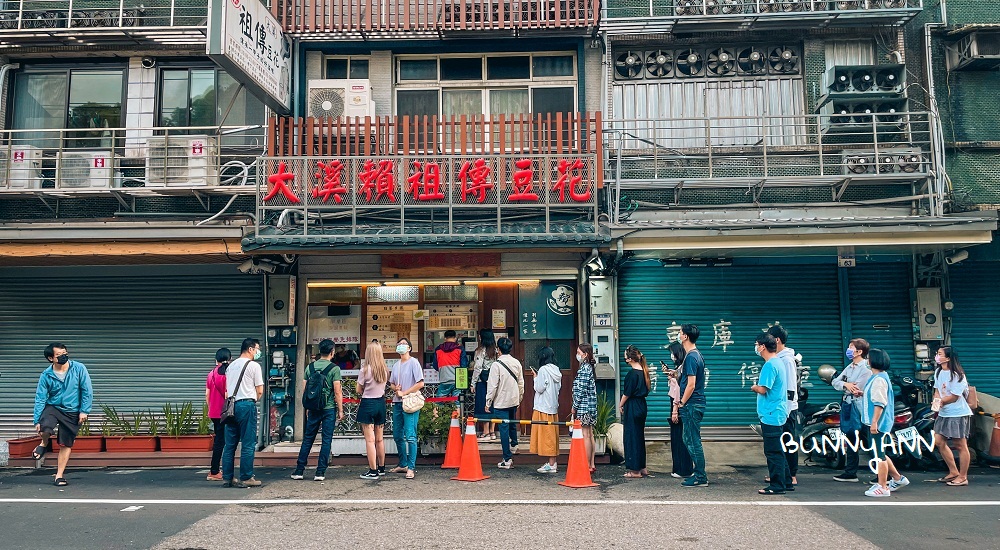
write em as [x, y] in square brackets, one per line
[342, 329]
[388, 324]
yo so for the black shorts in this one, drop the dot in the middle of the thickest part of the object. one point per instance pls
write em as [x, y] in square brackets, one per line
[372, 411]
[68, 423]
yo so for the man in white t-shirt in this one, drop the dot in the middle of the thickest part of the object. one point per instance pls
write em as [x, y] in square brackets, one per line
[245, 382]
[790, 373]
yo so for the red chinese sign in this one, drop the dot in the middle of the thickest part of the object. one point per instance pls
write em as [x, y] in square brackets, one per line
[476, 179]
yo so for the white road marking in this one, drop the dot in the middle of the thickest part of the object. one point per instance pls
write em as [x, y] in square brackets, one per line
[132, 509]
[564, 502]
[123, 472]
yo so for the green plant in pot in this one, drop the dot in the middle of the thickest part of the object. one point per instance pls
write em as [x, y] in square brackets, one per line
[204, 422]
[605, 418]
[178, 419]
[433, 425]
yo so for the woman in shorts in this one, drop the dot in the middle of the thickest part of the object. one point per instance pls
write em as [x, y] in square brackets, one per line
[371, 412]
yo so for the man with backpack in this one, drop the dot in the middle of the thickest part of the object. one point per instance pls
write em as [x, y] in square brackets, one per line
[321, 397]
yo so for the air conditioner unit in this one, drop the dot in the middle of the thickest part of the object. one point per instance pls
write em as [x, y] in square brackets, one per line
[978, 51]
[340, 98]
[890, 160]
[84, 169]
[23, 169]
[182, 161]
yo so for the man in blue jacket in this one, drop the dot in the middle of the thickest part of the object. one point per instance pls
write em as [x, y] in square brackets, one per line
[448, 357]
[63, 398]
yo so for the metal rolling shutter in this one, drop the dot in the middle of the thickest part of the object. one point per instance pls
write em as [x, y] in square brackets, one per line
[804, 298]
[880, 311]
[148, 334]
[974, 333]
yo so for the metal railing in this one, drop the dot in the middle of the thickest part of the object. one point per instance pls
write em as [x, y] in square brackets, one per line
[79, 15]
[552, 133]
[657, 161]
[153, 160]
[347, 16]
[425, 195]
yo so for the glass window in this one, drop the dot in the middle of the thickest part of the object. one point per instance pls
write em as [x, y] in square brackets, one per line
[39, 101]
[359, 68]
[552, 100]
[509, 101]
[462, 102]
[174, 98]
[417, 102]
[336, 68]
[85, 99]
[202, 92]
[551, 65]
[462, 68]
[508, 67]
[206, 97]
[418, 69]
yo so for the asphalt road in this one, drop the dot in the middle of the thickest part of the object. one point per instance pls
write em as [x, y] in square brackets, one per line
[180, 510]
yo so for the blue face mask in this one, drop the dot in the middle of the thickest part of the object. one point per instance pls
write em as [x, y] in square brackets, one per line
[756, 349]
[849, 353]
[256, 355]
[402, 348]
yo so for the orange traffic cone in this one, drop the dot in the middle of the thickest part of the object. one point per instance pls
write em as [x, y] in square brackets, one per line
[472, 467]
[578, 470]
[453, 452]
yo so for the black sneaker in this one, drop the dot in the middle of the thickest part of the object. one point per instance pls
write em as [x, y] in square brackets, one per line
[298, 474]
[370, 474]
[848, 478]
[381, 471]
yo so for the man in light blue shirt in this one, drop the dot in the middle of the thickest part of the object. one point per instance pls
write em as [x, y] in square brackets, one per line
[63, 400]
[772, 409]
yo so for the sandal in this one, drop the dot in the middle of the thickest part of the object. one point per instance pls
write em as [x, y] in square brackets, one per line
[647, 474]
[956, 483]
[409, 474]
[769, 491]
[61, 482]
[593, 471]
[947, 479]
[398, 470]
[38, 453]
[630, 475]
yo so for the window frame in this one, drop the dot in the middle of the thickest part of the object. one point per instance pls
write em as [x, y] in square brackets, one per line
[350, 59]
[160, 81]
[67, 72]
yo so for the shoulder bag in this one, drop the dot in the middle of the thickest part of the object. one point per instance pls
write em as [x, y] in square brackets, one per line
[229, 408]
[413, 402]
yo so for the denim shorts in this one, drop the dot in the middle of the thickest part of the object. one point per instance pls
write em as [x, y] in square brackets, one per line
[372, 411]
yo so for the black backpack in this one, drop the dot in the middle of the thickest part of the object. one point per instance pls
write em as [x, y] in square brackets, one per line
[314, 398]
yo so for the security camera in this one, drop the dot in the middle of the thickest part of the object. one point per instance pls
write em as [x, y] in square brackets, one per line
[957, 257]
[247, 266]
[148, 62]
[266, 267]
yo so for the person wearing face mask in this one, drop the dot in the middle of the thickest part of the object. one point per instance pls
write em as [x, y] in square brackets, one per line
[215, 397]
[407, 377]
[63, 399]
[772, 410]
[585, 398]
[954, 418]
[244, 382]
[852, 381]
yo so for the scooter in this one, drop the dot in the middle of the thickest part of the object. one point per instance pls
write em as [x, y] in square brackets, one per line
[823, 423]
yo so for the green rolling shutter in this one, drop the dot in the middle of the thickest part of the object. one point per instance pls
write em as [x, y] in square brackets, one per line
[803, 297]
[148, 334]
[974, 332]
[880, 311]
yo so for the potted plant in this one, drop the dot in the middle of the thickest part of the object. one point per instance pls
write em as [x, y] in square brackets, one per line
[178, 422]
[129, 434]
[85, 442]
[605, 417]
[433, 426]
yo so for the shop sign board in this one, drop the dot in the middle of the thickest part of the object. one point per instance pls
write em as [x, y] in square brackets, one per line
[249, 43]
[388, 324]
[343, 329]
[499, 319]
[547, 311]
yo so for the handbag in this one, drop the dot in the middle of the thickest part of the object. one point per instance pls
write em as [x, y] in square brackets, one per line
[972, 398]
[413, 402]
[229, 407]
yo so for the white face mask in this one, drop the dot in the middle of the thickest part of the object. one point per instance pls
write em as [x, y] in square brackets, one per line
[580, 358]
[402, 348]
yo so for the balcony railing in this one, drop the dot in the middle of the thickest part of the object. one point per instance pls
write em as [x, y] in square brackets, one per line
[37, 22]
[726, 161]
[130, 161]
[553, 133]
[628, 16]
[403, 17]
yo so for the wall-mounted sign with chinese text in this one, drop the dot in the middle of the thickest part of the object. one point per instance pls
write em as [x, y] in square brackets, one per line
[547, 311]
[248, 42]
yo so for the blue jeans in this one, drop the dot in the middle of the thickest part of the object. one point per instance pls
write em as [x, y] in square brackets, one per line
[447, 389]
[505, 430]
[404, 433]
[241, 430]
[850, 426]
[326, 418]
[691, 416]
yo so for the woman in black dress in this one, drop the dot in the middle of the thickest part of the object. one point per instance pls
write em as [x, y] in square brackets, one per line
[633, 410]
[683, 466]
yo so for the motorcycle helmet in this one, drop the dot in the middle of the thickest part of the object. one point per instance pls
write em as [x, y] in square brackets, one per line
[826, 373]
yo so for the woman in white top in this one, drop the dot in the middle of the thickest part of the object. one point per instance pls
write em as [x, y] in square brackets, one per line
[954, 416]
[545, 437]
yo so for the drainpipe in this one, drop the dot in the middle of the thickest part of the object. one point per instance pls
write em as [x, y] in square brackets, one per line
[938, 134]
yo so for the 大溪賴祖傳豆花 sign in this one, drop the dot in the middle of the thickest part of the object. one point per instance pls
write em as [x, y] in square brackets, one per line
[246, 40]
[475, 181]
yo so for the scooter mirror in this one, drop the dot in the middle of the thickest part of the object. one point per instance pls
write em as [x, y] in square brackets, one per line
[826, 373]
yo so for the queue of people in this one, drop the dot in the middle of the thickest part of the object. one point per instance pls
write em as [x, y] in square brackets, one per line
[234, 387]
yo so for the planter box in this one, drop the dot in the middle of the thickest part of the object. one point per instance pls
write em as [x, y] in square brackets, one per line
[186, 443]
[130, 443]
[22, 447]
[85, 444]
[433, 446]
[600, 444]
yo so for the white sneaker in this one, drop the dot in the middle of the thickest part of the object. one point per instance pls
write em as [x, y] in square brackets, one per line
[903, 482]
[505, 465]
[319, 478]
[877, 491]
[297, 475]
[676, 475]
[547, 469]
[513, 450]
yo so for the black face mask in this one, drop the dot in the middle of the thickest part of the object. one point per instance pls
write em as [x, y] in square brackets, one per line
[63, 359]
